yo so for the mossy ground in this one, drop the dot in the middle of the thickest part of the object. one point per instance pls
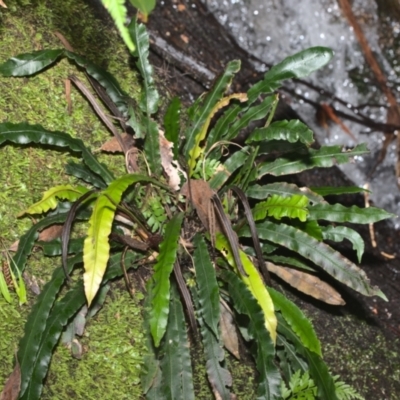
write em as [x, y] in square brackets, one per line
[112, 363]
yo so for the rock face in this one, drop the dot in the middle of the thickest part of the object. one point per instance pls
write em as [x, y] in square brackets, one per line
[190, 48]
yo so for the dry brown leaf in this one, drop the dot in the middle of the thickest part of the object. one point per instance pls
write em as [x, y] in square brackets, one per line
[167, 161]
[14, 246]
[322, 118]
[13, 385]
[50, 233]
[208, 205]
[308, 284]
[46, 235]
[201, 195]
[228, 330]
[113, 146]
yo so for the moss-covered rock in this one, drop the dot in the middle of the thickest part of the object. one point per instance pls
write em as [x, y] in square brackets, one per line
[111, 360]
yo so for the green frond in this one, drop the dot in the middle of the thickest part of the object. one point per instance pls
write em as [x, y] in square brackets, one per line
[278, 207]
[50, 198]
[96, 248]
[118, 13]
[161, 279]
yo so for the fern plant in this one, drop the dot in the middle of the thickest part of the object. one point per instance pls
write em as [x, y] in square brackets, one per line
[187, 193]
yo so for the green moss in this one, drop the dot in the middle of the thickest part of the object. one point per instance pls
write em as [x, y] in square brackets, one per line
[111, 364]
[28, 171]
[11, 328]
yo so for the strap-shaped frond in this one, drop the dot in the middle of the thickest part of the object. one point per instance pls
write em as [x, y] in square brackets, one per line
[30, 63]
[324, 157]
[97, 248]
[219, 377]
[208, 292]
[254, 283]
[278, 207]
[44, 327]
[290, 131]
[224, 171]
[50, 198]
[118, 96]
[339, 233]
[282, 189]
[202, 114]
[300, 324]
[245, 303]
[318, 369]
[229, 125]
[36, 323]
[25, 133]
[300, 64]
[149, 99]
[318, 252]
[161, 278]
[175, 365]
[196, 150]
[28, 239]
[339, 213]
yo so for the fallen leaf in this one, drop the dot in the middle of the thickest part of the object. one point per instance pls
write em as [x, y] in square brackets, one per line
[13, 384]
[14, 246]
[167, 161]
[46, 235]
[208, 206]
[201, 195]
[308, 284]
[228, 330]
[113, 146]
[50, 233]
